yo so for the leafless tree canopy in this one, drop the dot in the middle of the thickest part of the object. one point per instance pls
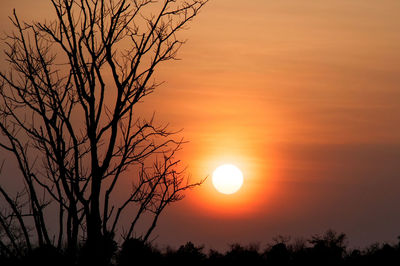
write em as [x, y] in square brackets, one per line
[68, 117]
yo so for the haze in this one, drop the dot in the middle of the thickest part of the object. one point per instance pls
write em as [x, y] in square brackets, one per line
[303, 96]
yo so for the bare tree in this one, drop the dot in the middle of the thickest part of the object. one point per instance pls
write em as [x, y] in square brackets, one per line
[68, 116]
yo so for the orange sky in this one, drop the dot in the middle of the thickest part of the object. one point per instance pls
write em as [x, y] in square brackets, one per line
[304, 96]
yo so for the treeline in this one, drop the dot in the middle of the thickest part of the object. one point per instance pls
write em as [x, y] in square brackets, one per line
[327, 249]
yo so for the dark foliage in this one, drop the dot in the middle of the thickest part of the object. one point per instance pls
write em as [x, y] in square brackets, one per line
[46, 256]
[278, 255]
[327, 249]
[138, 252]
[187, 254]
[104, 250]
[239, 255]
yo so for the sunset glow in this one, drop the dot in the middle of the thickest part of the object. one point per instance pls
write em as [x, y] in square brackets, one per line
[289, 113]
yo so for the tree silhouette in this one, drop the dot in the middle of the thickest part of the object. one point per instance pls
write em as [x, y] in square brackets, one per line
[68, 117]
[328, 249]
[136, 251]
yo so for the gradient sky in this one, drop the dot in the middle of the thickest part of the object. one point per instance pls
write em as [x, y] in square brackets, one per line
[303, 96]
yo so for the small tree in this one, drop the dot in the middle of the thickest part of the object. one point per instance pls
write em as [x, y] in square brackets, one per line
[68, 116]
[328, 249]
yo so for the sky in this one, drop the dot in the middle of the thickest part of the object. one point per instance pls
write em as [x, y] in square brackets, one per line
[304, 97]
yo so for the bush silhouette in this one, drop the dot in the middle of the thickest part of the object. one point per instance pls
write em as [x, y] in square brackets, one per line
[239, 255]
[104, 250]
[46, 256]
[187, 254]
[278, 255]
[327, 249]
[137, 252]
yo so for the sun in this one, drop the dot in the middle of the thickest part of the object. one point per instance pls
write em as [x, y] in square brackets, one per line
[227, 179]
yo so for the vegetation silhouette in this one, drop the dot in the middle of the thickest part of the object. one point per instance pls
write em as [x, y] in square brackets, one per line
[327, 249]
[69, 125]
